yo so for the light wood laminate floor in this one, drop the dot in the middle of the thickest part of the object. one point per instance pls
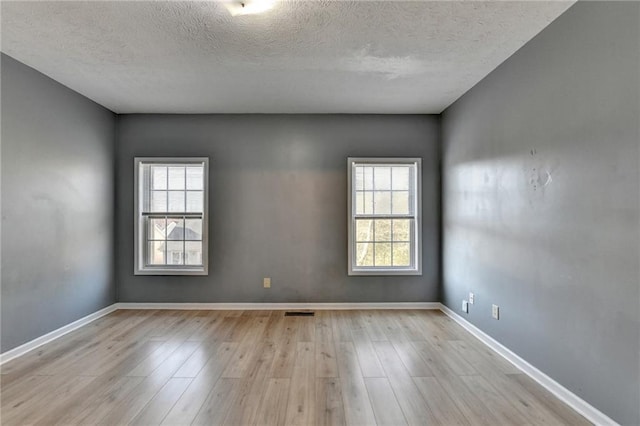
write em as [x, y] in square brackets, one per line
[368, 367]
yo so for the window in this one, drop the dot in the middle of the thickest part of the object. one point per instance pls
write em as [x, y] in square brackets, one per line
[171, 216]
[384, 216]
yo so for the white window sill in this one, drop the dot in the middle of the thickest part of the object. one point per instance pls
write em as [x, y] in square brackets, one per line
[172, 271]
[384, 272]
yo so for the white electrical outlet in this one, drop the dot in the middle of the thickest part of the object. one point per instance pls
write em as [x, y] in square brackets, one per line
[465, 306]
[266, 282]
[471, 298]
[495, 311]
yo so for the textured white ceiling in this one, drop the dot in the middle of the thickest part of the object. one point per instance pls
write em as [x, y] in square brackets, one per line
[299, 57]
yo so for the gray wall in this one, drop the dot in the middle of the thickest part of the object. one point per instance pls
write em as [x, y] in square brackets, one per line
[541, 193]
[278, 204]
[57, 205]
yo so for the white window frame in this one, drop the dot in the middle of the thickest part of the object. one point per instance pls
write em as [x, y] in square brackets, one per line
[140, 267]
[416, 250]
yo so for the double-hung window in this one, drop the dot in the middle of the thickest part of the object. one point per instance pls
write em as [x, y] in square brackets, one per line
[384, 216]
[171, 206]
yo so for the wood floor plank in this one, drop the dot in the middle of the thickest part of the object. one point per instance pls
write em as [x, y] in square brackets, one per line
[371, 325]
[272, 410]
[341, 327]
[357, 406]
[44, 355]
[241, 362]
[166, 367]
[216, 406]
[384, 402]
[325, 363]
[440, 403]
[188, 405]
[286, 346]
[546, 398]
[132, 404]
[301, 401]
[48, 396]
[413, 362]
[369, 362]
[253, 385]
[509, 389]
[77, 410]
[94, 409]
[439, 364]
[329, 403]
[323, 327]
[156, 410]
[469, 404]
[414, 407]
[391, 328]
[306, 329]
[501, 409]
[275, 327]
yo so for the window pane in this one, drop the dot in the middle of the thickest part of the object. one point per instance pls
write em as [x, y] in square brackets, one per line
[175, 229]
[383, 229]
[174, 253]
[401, 254]
[401, 229]
[194, 201]
[382, 177]
[193, 229]
[359, 178]
[193, 254]
[195, 178]
[158, 201]
[176, 178]
[155, 255]
[400, 202]
[364, 254]
[364, 230]
[382, 254]
[157, 229]
[364, 202]
[158, 177]
[401, 177]
[382, 202]
[368, 178]
[176, 201]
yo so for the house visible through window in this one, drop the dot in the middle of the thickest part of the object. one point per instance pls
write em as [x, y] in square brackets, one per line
[384, 216]
[171, 216]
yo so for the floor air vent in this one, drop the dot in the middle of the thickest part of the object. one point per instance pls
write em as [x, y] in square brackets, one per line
[299, 314]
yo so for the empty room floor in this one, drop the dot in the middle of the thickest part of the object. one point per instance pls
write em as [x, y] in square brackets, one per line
[263, 368]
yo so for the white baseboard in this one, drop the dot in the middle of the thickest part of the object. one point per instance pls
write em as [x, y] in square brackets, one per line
[279, 306]
[572, 400]
[37, 342]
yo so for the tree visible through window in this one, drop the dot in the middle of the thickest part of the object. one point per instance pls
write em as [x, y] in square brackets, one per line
[384, 216]
[171, 215]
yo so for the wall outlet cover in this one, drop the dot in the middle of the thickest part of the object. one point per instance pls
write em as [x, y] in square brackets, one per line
[495, 311]
[465, 306]
[471, 297]
[266, 282]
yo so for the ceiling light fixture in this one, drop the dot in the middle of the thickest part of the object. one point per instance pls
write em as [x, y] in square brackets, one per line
[248, 7]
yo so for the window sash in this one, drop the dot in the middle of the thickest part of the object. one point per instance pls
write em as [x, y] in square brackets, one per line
[414, 215]
[146, 240]
[144, 213]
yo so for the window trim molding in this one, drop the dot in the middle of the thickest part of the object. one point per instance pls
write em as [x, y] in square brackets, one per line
[386, 271]
[139, 267]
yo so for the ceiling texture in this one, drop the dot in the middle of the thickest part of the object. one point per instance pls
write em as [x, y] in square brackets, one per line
[385, 57]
